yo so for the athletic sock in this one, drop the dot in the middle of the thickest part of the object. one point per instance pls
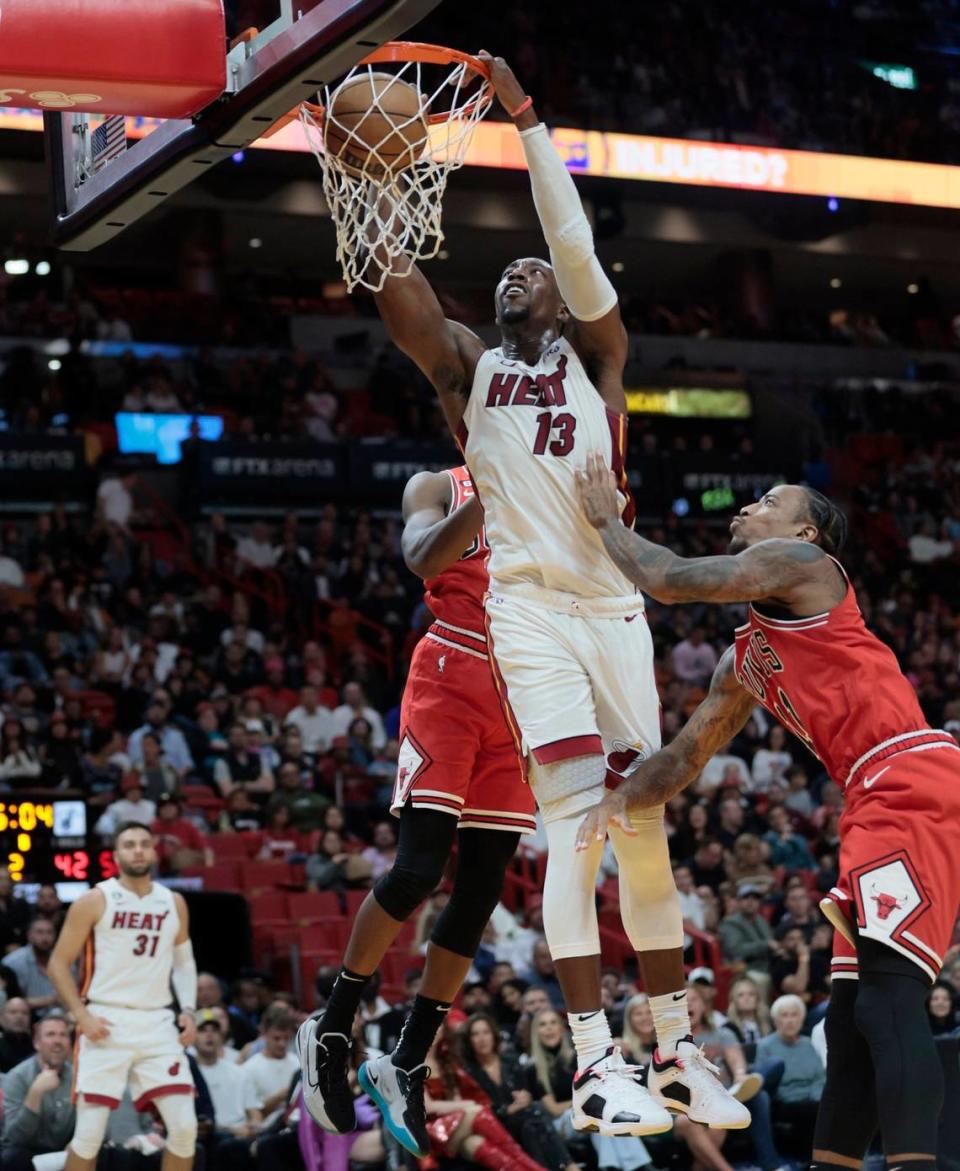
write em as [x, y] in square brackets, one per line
[343, 1003]
[671, 1018]
[591, 1036]
[418, 1031]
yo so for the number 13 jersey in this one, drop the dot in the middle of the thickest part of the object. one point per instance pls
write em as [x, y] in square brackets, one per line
[130, 953]
[526, 431]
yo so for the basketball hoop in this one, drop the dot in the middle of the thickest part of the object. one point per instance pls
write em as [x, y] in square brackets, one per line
[386, 196]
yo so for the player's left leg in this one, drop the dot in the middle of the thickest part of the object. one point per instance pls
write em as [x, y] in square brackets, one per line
[180, 1122]
[395, 1081]
[891, 1014]
[620, 655]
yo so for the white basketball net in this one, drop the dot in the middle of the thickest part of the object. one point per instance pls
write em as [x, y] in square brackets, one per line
[386, 209]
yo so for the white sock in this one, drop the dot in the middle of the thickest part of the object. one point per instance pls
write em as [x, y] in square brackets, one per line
[591, 1036]
[671, 1018]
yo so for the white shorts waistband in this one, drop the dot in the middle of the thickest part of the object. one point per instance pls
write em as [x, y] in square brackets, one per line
[564, 603]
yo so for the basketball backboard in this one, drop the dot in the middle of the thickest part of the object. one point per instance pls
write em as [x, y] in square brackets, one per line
[269, 72]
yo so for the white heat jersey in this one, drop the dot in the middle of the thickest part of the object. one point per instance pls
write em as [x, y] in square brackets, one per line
[526, 430]
[132, 948]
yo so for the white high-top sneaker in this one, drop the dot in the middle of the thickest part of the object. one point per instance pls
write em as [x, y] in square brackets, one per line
[609, 1100]
[690, 1084]
[399, 1097]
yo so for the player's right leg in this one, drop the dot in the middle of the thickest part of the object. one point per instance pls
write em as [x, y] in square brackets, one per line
[548, 697]
[437, 751]
[100, 1078]
[88, 1136]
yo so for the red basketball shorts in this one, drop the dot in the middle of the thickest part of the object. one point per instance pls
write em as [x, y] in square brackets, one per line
[457, 754]
[899, 862]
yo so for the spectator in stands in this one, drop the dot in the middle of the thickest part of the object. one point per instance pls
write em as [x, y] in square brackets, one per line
[39, 1115]
[14, 915]
[115, 501]
[798, 799]
[796, 968]
[543, 973]
[314, 723]
[226, 1084]
[333, 868]
[942, 1008]
[799, 910]
[724, 769]
[771, 763]
[706, 865]
[748, 865]
[639, 1031]
[382, 854]
[355, 706]
[29, 964]
[240, 767]
[691, 904]
[16, 1038]
[277, 698]
[745, 936]
[747, 1014]
[307, 808]
[787, 849]
[50, 906]
[257, 549]
[209, 990]
[131, 806]
[179, 842]
[19, 764]
[731, 816]
[798, 1094]
[506, 1085]
[694, 659]
[156, 774]
[173, 744]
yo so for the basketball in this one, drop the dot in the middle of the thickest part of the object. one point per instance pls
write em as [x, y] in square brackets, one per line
[375, 114]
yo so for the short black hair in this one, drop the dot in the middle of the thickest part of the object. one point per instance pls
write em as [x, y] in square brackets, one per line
[830, 520]
[128, 825]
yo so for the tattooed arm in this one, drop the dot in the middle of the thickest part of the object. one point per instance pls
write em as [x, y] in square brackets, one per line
[770, 570]
[714, 723]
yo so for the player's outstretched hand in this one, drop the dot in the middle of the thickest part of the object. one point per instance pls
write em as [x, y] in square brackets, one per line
[509, 91]
[597, 486]
[188, 1028]
[94, 1028]
[612, 810]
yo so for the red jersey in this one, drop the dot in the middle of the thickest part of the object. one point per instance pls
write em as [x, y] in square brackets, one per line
[455, 597]
[835, 685]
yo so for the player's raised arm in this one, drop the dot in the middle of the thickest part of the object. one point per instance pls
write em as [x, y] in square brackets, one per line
[597, 330]
[77, 927]
[772, 570]
[714, 723]
[445, 351]
[433, 537]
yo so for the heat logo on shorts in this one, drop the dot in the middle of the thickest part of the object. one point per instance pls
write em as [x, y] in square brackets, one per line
[626, 758]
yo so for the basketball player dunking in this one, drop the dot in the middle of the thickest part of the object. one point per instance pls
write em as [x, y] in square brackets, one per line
[565, 626]
[458, 780]
[134, 936]
[807, 656]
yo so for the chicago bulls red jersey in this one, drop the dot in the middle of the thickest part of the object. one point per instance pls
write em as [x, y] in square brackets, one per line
[455, 597]
[835, 685]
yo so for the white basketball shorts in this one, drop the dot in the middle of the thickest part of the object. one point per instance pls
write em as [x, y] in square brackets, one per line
[143, 1049]
[576, 676]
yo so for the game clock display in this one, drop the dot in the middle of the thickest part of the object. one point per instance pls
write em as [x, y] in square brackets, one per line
[47, 841]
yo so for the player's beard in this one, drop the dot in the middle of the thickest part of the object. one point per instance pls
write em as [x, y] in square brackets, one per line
[135, 869]
[736, 545]
[513, 314]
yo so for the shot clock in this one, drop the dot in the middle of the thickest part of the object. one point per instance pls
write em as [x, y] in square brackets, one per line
[48, 841]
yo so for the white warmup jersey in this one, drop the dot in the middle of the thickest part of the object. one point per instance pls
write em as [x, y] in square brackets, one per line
[132, 952]
[526, 430]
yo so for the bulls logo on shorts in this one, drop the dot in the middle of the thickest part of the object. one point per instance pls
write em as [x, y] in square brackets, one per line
[889, 898]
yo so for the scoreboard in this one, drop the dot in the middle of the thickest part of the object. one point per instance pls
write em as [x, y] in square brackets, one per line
[49, 841]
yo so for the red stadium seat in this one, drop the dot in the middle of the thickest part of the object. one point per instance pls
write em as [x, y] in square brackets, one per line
[396, 963]
[264, 876]
[220, 876]
[229, 847]
[313, 905]
[271, 904]
[354, 900]
[323, 934]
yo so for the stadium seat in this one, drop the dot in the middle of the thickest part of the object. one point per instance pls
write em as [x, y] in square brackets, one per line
[220, 876]
[355, 900]
[313, 905]
[227, 847]
[257, 877]
[270, 905]
[396, 963]
[324, 933]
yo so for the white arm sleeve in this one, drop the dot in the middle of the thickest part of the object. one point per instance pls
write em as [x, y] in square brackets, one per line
[583, 284]
[184, 976]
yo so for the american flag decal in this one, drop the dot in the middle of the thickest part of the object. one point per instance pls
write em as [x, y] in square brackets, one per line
[108, 140]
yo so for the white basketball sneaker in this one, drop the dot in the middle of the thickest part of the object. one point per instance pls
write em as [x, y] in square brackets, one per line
[399, 1097]
[325, 1065]
[609, 1100]
[689, 1084]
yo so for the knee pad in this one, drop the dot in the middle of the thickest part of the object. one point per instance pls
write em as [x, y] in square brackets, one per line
[180, 1122]
[568, 788]
[483, 858]
[649, 903]
[570, 891]
[425, 839]
[89, 1132]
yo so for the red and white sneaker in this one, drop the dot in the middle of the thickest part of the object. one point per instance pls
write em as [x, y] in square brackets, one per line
[690, 1084]
[609, 1100]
